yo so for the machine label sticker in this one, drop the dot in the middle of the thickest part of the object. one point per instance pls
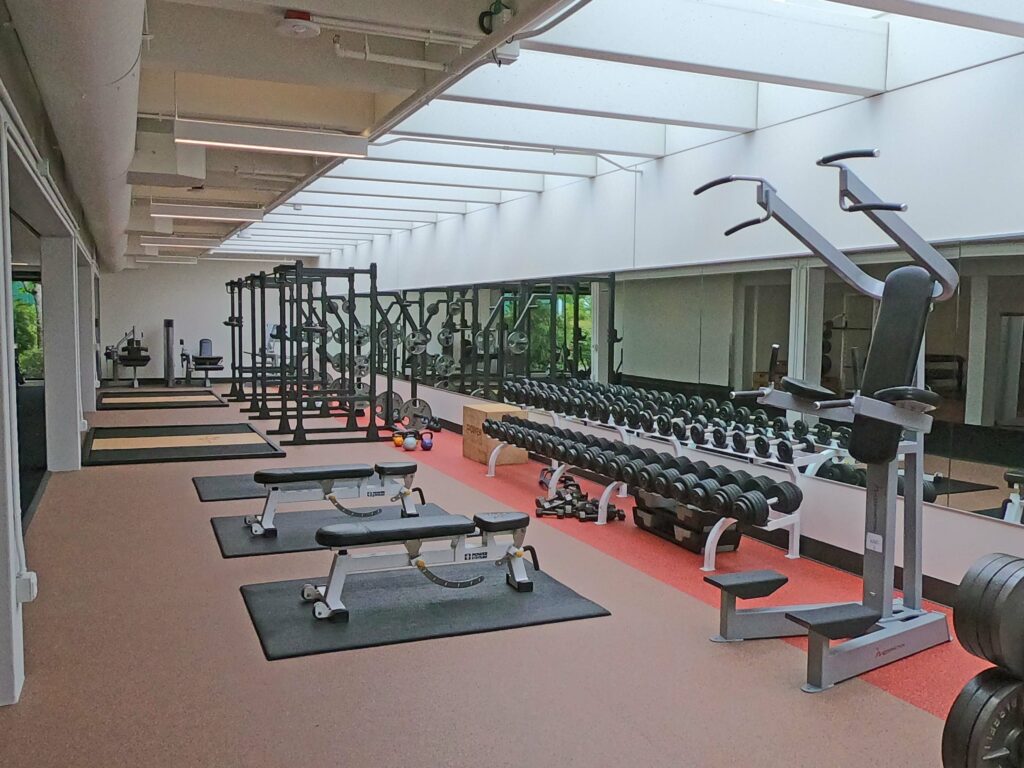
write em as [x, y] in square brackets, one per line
[873, 541]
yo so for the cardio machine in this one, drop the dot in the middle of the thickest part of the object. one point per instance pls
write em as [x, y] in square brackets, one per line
[889, 416]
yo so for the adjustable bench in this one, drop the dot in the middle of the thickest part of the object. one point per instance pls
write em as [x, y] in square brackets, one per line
[1013, 506]
[412, 532]
[392, 479]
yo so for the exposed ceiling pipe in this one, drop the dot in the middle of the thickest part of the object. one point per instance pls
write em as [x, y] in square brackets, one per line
[85, 61]
[390, 30]
[367, 55]
[483, 52]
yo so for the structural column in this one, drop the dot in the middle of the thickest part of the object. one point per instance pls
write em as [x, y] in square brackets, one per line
[61, 353]
[600, 305]
[806, 319]
[87, 336]
[982, 356]
[17, 583]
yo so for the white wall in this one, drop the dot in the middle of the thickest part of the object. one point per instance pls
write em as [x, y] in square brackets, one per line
[192, 295]
[949, 150]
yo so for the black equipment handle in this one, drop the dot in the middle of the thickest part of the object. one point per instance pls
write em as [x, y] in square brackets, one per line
[773, 363]
[897, 207]
[850, 154]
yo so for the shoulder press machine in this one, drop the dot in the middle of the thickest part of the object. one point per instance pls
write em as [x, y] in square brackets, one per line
[888, 415]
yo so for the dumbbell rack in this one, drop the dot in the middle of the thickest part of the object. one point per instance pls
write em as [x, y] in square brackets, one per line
[790, 522]
[559, 469]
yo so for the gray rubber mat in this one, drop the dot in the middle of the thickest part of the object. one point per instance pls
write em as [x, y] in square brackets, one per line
[295, 530]
[402, 607]
[235, 487]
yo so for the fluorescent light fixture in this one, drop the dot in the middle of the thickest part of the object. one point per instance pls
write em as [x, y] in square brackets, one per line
[205, 212]
[245, 259]
[167, 260]
[262, 138]
[180, 242]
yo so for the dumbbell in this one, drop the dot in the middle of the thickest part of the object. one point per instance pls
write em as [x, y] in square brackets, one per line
[783, 447]
[753, 506]
[733, 487]
[696, 489]
[640, 471]
[700, 493]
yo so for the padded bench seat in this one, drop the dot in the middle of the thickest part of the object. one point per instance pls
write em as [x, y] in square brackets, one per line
[1014, 477]
[837, 622]
[344, 535]
[395, 468]
[305, 474]
[747, 585]
[394, 531]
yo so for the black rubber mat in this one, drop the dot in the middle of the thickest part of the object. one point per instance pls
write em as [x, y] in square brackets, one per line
[1001, 446]
[109, 401]
[947, 485]
[235, 487]
[391, 607]
[295, 530]
[101, 457]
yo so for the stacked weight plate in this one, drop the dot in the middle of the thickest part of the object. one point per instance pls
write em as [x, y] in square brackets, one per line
[985, 725]
[680, 524]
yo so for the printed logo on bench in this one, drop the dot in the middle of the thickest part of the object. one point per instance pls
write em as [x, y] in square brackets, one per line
[371, 494]
[475, 556]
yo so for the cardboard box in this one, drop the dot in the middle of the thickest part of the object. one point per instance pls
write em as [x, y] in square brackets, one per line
[476, 445]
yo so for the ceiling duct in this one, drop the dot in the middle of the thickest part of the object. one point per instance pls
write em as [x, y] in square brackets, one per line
[85, 60]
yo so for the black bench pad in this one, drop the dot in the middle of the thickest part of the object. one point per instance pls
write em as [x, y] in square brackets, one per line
[837, 622]
[748, 584]
[805, 390]
[1014, 476]
[303, 474]
[393, 468]
[393, 531]
[495, 522]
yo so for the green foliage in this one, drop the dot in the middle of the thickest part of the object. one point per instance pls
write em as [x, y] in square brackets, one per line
[28, 329]
[31, 363]
[540, 330]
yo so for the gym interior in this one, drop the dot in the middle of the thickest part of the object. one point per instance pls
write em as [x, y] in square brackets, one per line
[511, 382]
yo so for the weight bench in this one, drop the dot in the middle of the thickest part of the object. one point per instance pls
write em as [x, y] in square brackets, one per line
[412, 532]
[1013, 506]
[392, 479]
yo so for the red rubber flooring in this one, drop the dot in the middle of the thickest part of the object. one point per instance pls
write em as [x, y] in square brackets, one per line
[929, 680]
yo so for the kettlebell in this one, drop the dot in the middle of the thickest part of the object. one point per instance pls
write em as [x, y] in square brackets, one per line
[427, 441]
[398, 439]
[410, 443]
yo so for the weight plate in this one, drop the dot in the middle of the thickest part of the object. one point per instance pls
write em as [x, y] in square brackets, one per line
[968, 599]
[415, 413]
[382, 337]
[987, 619]
[1005, 637]
[362, 366]
[362, 335]
[517, 343]
[994, 739]
[446, 337]
[381, 403]
[443, 365]
[962, 716]
[416, 342]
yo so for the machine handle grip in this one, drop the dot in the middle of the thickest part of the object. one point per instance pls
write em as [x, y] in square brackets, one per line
[744, 225]
[727, 180]
[850, 154]
[773, 363]
[898, 207]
